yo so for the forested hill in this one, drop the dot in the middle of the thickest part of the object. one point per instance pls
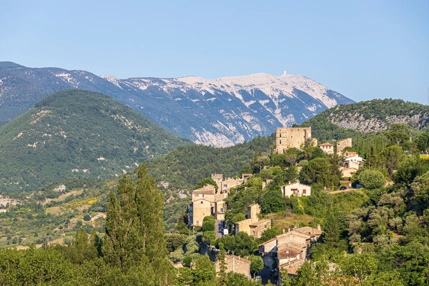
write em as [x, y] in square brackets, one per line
[77, 133]
[183, 168]
[367, 116]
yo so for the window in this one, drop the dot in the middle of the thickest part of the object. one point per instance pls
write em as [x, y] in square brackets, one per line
[197, 195]
[280, 141]
[304, 191]
[221, 210]
[202, 202]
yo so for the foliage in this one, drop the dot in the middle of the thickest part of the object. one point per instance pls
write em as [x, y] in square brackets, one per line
[372, 179]
[70, 134]
[208, 223]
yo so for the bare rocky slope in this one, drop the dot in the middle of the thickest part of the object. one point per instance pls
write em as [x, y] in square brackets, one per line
[376, 115]
[218, 112]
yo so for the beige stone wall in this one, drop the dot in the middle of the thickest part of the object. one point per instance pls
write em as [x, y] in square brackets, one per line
[268, 246]
[243, 225]
[218, 179]
[290, 237]
[253, 212]
[256, 229]
[292, 137]
[220, 210]
[200, 209]
[343, 144]
[236, 264]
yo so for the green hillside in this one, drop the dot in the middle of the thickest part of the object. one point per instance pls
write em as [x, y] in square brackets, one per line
[77, 133]
[351, 120]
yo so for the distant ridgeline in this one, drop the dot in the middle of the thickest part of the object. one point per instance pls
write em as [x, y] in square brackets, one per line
[217, 112]
[77, 133]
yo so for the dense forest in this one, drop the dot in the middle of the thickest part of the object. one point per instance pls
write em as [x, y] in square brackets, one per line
[76, 133]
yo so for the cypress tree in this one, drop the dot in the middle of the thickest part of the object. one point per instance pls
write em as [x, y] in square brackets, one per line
[134, 226]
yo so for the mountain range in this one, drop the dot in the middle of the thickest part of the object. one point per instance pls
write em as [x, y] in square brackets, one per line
[219, 112]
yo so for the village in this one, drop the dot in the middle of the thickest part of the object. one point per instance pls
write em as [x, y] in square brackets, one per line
[290, 249]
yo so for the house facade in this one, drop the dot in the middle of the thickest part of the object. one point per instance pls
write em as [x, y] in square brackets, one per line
[296, 189]
[328, 148]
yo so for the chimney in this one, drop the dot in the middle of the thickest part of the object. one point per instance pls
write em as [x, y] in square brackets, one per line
[318, 227]
[283, 230]
[288, 230]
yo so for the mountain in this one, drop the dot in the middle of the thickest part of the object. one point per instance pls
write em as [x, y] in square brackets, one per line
[367, 116]
[219, 112]
[77, 133]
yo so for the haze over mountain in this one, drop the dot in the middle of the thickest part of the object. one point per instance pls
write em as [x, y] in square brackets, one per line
[77, 133]
[219, 112]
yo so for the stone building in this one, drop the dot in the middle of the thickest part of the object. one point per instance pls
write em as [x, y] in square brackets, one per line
[328, 148]
[291, 249]
[205, 202]
[292, 138]
[236, 264]
[341, 145]
[296, 189]
[252, 225]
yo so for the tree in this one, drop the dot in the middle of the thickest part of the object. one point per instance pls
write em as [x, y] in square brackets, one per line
[257, 264]
[393, 158]
[206, 181]
[371, 179]
[208, 223]
[134, 227]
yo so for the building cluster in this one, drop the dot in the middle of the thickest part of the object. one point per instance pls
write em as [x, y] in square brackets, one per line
[207, 201]
[289, 250]
[297, 137]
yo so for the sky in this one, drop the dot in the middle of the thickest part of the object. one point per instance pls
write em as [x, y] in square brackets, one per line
[362, 49]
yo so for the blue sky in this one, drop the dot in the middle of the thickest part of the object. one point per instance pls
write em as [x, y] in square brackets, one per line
[362, 49]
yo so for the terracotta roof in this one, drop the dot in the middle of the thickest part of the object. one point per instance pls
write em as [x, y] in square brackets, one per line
[294, 233]
[268, 241]
[203, 192]
[264, 221]
[288, 252]
[292, 245]
[234, 257]
[308, 231]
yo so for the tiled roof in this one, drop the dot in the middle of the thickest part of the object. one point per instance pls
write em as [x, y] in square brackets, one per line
[268, 241]
[264, 221]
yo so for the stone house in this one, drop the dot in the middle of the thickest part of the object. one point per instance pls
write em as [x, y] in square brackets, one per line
[342, 144]
[290, 249]
[252, 225]
[206, 202]
[235, 264]
[296, 189]
[292, 138]
[328, 148]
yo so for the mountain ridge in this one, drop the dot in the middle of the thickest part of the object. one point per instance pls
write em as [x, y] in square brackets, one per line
[218, 112]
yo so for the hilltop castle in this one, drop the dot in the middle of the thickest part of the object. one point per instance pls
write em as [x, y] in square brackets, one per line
[293, 138]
